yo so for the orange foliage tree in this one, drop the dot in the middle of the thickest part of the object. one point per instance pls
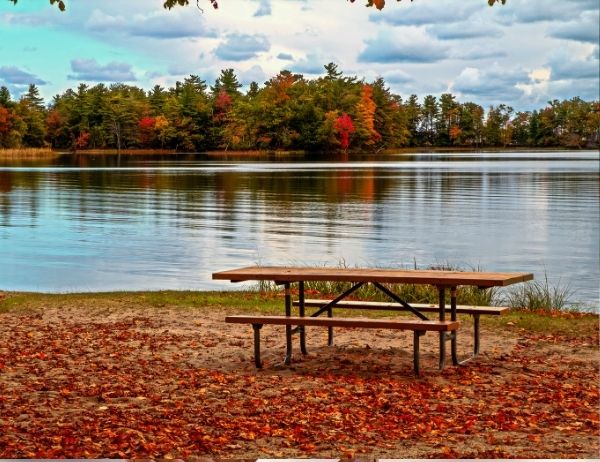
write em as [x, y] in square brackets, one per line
[365, 115]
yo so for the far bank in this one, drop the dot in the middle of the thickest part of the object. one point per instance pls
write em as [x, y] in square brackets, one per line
[17, 154]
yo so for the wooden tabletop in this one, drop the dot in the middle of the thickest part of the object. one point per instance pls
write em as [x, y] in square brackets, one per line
[432, 277]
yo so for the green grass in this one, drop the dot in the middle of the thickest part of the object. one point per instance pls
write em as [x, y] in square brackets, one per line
[578, 325]
[540, 321]
[237, 300]
[533, 295]
[539, 295]
[412, 293]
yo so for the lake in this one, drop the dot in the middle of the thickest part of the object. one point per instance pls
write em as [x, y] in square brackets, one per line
[84, 223]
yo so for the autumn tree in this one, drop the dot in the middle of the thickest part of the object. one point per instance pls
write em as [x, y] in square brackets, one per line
[122, 115]
[278, 99]
[390, 118]
[12, 126]
[194, 113]
[498, 128]
[31, 110]
[471, 124]
[344, 128]
[448, 120]
[288, 112]
[157, 98]
[413, 119]
[5, 98]
[520, 123]
[365, 110]
[429, 116]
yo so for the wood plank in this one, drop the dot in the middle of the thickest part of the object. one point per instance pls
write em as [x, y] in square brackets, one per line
[437, 326]
[392, 276]
[392, 306]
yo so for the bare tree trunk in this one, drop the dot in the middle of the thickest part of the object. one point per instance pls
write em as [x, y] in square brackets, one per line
[117, 130]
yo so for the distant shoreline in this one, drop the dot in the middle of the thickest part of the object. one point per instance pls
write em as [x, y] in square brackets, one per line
[45, 153]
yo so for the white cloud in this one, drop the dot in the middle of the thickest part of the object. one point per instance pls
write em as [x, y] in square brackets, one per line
[422, 47]
[241, 47]
[285, 56]
[568, 66]
[253, 74]
[155, 24]
[90, 70]
[534, 11]
[464, 30]
[407, 46]
[585, 29]
[264, 8]
[494, 85]
[14, 75]
[312, 64]
[397, 76]
[478, 52]
[437, 12]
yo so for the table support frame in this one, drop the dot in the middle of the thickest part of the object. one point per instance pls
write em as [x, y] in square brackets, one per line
[329, 309]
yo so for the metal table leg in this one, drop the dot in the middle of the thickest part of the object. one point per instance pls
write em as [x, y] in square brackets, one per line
[257, 360]
[301, 329]
[453, 347]
[454, 338]
[442, 316]
[288, 328]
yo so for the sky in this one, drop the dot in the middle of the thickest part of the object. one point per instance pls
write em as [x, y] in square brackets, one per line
[523, 54]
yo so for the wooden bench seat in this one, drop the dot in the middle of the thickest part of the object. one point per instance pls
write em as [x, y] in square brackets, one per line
[475, 311]
[364, 305]
[418, 327]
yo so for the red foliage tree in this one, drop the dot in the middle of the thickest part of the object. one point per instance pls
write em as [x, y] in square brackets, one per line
[345, 128]
[7, 124]
[147, 127]
[5, 120]
[82, 140]
[147, 123]
[223, 102]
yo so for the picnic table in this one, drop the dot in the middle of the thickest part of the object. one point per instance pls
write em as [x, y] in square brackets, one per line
[357, 277]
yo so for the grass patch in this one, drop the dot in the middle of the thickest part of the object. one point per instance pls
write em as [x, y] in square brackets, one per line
[546, 322]
[236, 300]
[26, 153]
[539, 295]
[412, 293]
[568, 323]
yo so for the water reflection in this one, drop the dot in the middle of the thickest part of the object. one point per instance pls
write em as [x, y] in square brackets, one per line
[85, 224]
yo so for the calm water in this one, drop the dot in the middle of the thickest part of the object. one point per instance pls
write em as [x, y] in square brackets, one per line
[84, 224]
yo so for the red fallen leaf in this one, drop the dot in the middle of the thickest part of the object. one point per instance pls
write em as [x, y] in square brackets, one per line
[449, 453]
[308, 447]
[248, 436]
[65, 391]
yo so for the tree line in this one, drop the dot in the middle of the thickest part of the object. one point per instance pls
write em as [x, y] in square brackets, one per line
[288, 112]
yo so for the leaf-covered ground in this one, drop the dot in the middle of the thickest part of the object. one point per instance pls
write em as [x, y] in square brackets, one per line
[115, 379]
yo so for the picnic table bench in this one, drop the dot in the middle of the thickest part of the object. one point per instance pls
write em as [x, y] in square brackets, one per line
[475, 311]
[418, 327]
[380, 279]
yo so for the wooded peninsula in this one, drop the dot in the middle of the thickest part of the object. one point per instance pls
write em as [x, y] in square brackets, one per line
[289, 111]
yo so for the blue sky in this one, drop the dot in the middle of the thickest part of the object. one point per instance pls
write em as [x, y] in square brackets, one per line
[523, 54]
